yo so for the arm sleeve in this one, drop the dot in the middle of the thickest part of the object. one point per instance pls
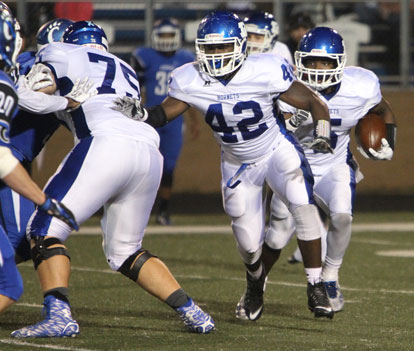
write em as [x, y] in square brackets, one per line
[40, 103]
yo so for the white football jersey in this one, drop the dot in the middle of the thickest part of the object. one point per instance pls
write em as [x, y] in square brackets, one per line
[358, 93]
[282, 49]
[240, 111]
[112, 78]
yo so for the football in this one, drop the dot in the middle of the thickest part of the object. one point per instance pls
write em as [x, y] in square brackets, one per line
[369, 131]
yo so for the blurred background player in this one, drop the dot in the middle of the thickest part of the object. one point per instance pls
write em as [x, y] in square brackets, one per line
[262, 33]
[12, 172]
[350, 93]
[298, 25]
[126, 190]
[154, 66]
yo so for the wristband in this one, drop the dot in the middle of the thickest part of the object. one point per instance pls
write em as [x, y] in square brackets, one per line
[323, 129]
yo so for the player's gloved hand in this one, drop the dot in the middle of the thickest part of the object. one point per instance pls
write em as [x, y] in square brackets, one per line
[385, 153]
[56, 209]
[39, 77]
[81, 91]
[321, 144]
[130, 107]
[297, 119]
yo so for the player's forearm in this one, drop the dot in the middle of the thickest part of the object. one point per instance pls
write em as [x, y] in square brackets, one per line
[19, 180]
[40, 103]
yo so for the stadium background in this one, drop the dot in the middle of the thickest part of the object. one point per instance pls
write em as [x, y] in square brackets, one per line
[378, 35]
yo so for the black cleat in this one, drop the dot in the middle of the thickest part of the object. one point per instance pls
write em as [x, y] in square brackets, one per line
[251, 304]
[318, 301]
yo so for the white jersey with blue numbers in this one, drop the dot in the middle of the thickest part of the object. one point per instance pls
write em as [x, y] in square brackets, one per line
[240, 111]
[358, 93]
[112, 78]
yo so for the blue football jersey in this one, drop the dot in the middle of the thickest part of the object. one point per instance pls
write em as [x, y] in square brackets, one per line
[8, 107]
[29, 132]
[25, 61]
[155, 70]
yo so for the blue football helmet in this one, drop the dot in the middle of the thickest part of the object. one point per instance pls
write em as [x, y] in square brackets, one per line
[265, 25]
[221, 28]
[320, 42]
[17, 28]
[51, 31]
[162, 43]
[7, 41]
[86, 33]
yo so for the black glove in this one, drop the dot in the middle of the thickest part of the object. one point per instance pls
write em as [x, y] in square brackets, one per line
[321, 144]
[56, 209]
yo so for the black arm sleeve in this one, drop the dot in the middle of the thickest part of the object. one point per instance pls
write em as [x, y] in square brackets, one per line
[391, 134]
[156, 116]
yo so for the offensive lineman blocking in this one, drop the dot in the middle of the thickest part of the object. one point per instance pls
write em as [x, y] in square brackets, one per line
[127, 188]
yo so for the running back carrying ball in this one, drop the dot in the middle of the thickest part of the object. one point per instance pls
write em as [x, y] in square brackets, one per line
[369, 131]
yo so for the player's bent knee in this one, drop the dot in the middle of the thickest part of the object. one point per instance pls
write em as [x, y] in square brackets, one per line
[307, 222]
[133, 264]
[279, 232]
[250, 257]
[341, 220]
[42, 249]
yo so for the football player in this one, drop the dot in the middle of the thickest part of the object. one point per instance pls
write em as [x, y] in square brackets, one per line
[236, 94]
[12, 173]
[154, 66]
[28, 134]
[115, 164]
[262, 33]
[350, 93]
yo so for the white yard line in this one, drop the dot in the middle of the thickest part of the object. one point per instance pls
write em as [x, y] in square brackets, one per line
[200, 277]
[226, 229]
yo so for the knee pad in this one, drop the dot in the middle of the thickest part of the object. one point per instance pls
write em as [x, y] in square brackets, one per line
[250, 257]
[307, 222]
[279, 232]
[41, 250]
[133, 264]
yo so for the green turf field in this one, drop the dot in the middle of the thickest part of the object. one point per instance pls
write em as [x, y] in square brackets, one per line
[115, 314]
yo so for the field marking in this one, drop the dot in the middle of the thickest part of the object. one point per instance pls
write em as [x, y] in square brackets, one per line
[396, 253]
[52, 347]
[200, 277]
[226, 229]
